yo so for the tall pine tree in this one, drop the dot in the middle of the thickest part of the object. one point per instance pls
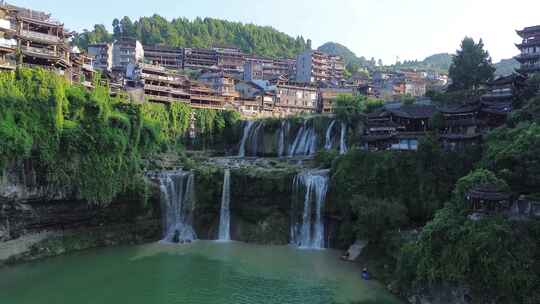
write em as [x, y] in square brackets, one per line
[471, 66]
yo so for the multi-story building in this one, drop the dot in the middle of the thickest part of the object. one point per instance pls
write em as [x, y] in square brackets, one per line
[8, 43]
[315, 66]
[82, 69]
[530, 50]
[41, 40]
[293, 98]
[222, 83]
[253, 70]
[126, 51]
[230, 59]
[327, 97]
[204, 97]
[261, 68]
[159, 84]
[415, 87]
[169, 57]
[102, 53]
[196, 58]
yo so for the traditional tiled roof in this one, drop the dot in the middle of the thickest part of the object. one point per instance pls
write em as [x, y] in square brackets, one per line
[461, 122]
[414, 111]
[460, 136]
[374, 138]
[501, 108]
[459, 108]
[488, 192]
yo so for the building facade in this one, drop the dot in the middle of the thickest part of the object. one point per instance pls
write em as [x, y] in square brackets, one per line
[315, 66]
[168, 57]
[295, 99]
[102, 54]
[222, 83]
[127, 51]
[530, 50]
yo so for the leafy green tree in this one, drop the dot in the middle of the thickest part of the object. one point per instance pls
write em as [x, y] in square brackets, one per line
[376, 217]
[476, 178]
[407, 99]
[494, 257]
[207, 32]
[514, 155]
[471, 66]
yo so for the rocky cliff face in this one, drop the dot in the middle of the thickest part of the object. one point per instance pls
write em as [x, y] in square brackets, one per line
[38, 221]
[259, 203]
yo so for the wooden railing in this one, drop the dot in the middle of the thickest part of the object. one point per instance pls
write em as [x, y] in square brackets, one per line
[40, 36]
[40, 51]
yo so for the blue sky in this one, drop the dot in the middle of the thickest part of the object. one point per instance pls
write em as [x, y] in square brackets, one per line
[387, 29]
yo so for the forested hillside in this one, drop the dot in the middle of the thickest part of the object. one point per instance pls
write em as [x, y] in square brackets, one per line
[348, 56]
[207, 32]
[439, 62]
[506, 67]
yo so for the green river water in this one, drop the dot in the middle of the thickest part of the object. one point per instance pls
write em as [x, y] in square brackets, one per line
[201, 272]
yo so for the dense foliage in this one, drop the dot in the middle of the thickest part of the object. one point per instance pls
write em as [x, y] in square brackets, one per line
[204, 33]
[471, 66]
[86, 142]
[416, 184]
[79, 140]
[497, 258]
[348, 108]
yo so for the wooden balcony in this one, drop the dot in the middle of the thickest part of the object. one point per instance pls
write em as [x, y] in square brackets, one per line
[208, 98]
[40, 52]
[207, 106]
[7, 65]
[41, 37]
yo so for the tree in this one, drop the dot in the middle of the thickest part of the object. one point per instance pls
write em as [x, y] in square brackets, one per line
[376, 217]
[471, 66]
[380, 63]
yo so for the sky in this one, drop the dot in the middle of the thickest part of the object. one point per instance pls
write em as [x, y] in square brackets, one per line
[386, 29]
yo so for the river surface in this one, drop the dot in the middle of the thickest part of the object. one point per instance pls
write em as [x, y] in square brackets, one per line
[201, 272]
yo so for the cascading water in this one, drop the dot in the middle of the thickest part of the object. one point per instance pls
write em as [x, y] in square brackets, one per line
[328, 143]
[247, 128]
[254, 139]
[178, 202]
[307, 230]
[224, 216]
[342, 142]
[305, 142]
[281, 144]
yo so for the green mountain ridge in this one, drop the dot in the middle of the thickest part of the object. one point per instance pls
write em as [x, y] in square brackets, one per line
[350, 58]
[506, 67]
[202, 33]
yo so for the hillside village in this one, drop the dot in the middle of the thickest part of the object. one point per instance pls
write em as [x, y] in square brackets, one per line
[224, 77]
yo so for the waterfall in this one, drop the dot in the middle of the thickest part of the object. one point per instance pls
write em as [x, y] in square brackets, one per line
[307, 231]
[305, 142]
[177, 201]
[281, 142]
[254, 139]
[224, 216]
[247, 128]
[328, 143]
[342, 142]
